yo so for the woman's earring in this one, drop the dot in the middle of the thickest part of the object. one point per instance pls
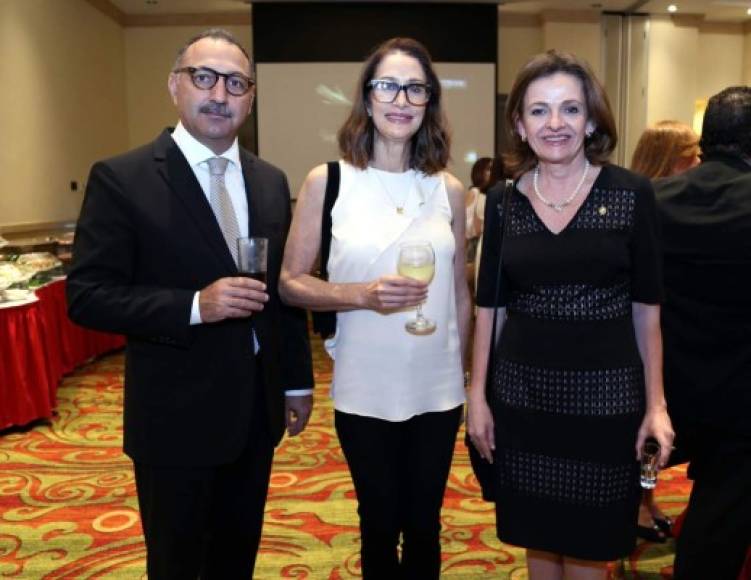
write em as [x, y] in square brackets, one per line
[370, 113]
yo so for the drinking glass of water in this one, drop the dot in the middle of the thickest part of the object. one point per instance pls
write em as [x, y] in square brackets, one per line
[650, 455]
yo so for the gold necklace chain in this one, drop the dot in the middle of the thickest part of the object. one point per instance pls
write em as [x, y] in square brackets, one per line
[399, 208]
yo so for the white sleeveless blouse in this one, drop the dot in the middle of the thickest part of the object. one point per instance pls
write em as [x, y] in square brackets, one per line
[380, 369]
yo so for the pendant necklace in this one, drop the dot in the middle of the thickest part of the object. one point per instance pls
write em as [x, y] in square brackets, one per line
[558, 206]
[399, 208]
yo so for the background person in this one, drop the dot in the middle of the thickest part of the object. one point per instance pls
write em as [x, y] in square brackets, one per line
[475, 203]
[664, 149]
[577, 383]
[209, 353]
[398, 397]
[705, 214]
[495, 173]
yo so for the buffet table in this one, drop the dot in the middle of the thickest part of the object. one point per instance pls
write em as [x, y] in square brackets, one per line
[38, 345]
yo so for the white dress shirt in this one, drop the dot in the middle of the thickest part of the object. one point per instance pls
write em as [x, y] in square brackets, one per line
[197, 155]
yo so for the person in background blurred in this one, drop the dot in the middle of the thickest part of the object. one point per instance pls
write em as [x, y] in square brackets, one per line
[664, 149]
[475, 203]
[705, 214]
[398, 397]
[576, 384]
[490, 171]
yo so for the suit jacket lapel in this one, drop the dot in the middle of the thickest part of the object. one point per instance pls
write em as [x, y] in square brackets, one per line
[255, 192]
[180, 178]
[254, 189]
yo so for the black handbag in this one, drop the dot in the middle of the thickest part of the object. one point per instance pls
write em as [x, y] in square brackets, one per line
[484, 471]
[324, 321]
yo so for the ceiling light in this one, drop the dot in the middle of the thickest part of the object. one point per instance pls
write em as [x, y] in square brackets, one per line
[672, 8]
[748, 11]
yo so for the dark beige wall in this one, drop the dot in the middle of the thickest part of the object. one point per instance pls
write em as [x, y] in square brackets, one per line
[149, 56]
[747, 55]
[82, 87]
[690, 61]
[61, 107]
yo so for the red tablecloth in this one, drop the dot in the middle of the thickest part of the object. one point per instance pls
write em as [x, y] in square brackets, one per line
[38, 345]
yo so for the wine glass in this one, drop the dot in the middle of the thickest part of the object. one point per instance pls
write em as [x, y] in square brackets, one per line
[417, 261]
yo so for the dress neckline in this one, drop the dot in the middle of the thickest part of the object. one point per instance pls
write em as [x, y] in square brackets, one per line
[595, 185]
[394, 174]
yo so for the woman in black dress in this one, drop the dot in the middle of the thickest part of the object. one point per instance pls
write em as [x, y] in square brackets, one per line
[577, 377]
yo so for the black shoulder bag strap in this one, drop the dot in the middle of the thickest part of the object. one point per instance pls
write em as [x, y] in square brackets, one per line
[329, 199]
[324, 322]
[503, 212]
[483, 470]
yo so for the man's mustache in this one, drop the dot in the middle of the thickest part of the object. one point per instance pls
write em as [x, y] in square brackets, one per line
[213, 108]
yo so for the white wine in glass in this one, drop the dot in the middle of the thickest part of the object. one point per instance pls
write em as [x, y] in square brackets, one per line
[417, 261]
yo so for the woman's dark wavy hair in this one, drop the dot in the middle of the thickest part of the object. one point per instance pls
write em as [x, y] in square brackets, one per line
[598, 147]
[477, 174]
[429, 151]
[498, 172]
[727, 123]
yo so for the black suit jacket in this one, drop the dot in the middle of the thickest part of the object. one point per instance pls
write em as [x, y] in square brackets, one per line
[705, 215]
[146, 241]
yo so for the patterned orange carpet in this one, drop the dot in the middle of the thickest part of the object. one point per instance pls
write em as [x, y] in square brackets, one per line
[68, 506]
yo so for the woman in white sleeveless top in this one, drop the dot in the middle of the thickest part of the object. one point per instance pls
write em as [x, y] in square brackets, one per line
[398, 396]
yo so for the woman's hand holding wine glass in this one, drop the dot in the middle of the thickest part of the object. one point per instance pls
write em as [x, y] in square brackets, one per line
[392, 292]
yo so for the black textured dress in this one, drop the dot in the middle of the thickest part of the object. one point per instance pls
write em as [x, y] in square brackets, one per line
[568, 387]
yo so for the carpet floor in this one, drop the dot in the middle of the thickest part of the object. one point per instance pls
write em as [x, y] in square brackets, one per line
[68, 507]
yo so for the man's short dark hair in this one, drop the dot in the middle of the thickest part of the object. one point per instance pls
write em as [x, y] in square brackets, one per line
[727, 123]
[216, 34]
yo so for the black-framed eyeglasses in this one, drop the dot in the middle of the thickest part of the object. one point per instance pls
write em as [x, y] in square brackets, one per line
[205, 78]
[386, 91]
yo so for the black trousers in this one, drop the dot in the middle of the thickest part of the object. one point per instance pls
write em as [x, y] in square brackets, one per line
[716, 533]
[205, 522]
[400, 471]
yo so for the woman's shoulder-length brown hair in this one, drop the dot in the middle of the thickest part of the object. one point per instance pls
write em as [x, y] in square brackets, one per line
[597, 147]
[662, 146]
[430, 145]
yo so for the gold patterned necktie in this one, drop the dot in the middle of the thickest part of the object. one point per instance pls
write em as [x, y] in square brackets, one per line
[222, 204]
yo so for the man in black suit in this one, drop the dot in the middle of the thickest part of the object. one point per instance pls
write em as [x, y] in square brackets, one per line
[706, 223]
[210, 355]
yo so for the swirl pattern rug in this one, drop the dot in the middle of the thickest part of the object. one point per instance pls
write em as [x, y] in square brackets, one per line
[68, 507]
